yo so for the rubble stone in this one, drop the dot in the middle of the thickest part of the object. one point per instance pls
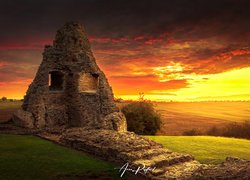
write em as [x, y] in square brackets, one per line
[23, 119]
[138, 151]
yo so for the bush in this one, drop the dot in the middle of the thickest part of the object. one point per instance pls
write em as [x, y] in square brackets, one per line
[214, 131]
[4, 99]
[237, 130]
[192, 132]
[142, 118]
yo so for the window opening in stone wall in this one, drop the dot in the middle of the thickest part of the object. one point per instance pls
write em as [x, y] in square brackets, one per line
[56, 79]
[88, 82]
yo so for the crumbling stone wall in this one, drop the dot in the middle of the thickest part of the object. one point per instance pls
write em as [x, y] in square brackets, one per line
[83, 99]
[88, 82]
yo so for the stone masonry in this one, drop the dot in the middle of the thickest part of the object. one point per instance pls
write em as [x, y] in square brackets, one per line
[69, 89]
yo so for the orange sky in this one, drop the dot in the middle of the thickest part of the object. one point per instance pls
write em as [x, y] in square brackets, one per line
[150, 67]
[169, 50]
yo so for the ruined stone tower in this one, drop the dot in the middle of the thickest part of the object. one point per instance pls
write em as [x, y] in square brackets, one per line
[69, 89]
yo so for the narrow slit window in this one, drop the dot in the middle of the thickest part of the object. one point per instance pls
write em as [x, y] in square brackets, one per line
[56, 79]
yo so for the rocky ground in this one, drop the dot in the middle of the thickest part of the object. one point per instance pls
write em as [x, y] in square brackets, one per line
[139, 151]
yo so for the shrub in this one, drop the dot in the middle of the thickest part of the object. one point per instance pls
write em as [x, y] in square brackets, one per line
[4, 98]
[214, 131]
[237, 130]
[192, 132]
[142, 118]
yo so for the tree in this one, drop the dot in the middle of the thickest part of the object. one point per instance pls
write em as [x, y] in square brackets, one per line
[142, 118]
[4, 98]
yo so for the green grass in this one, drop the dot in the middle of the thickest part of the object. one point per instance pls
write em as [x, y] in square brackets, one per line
[206, 149]
[29, 157]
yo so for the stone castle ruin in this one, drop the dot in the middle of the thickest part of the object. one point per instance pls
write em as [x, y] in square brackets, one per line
[71, 103]
[69, 89]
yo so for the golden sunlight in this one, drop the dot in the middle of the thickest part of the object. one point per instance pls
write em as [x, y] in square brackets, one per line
[231, 85]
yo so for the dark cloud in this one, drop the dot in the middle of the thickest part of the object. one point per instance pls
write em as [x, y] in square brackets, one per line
[13, 72]
[31, 57]
[120, 18]
[130, 37]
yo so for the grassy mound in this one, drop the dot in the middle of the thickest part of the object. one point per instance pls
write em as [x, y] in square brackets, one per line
[206, 149]
[29, 157]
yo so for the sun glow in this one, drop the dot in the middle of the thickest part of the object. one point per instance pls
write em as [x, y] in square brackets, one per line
[172, 71]
[231, 85]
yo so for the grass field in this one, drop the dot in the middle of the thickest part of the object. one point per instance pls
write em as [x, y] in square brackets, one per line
[183, 116]
[29, 157]
[206, 149]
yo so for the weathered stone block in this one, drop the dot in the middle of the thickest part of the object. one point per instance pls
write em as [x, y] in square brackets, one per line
[23, 119]
[116, 121]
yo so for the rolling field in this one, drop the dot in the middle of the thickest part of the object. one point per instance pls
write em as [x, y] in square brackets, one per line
[182, 116]
[206, 149]
[178, 117]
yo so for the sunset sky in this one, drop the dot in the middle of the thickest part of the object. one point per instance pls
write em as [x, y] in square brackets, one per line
[180, 50]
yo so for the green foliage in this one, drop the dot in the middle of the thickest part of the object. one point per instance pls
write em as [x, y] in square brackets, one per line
[142, 118]
[29, 157]
[237, 130]
[206, 149]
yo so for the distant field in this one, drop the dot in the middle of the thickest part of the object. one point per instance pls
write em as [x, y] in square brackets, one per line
[206, 149]
[7, 109]
[182, 116]
[178, 117]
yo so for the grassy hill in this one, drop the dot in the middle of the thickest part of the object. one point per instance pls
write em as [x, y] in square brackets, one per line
[206, 149]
